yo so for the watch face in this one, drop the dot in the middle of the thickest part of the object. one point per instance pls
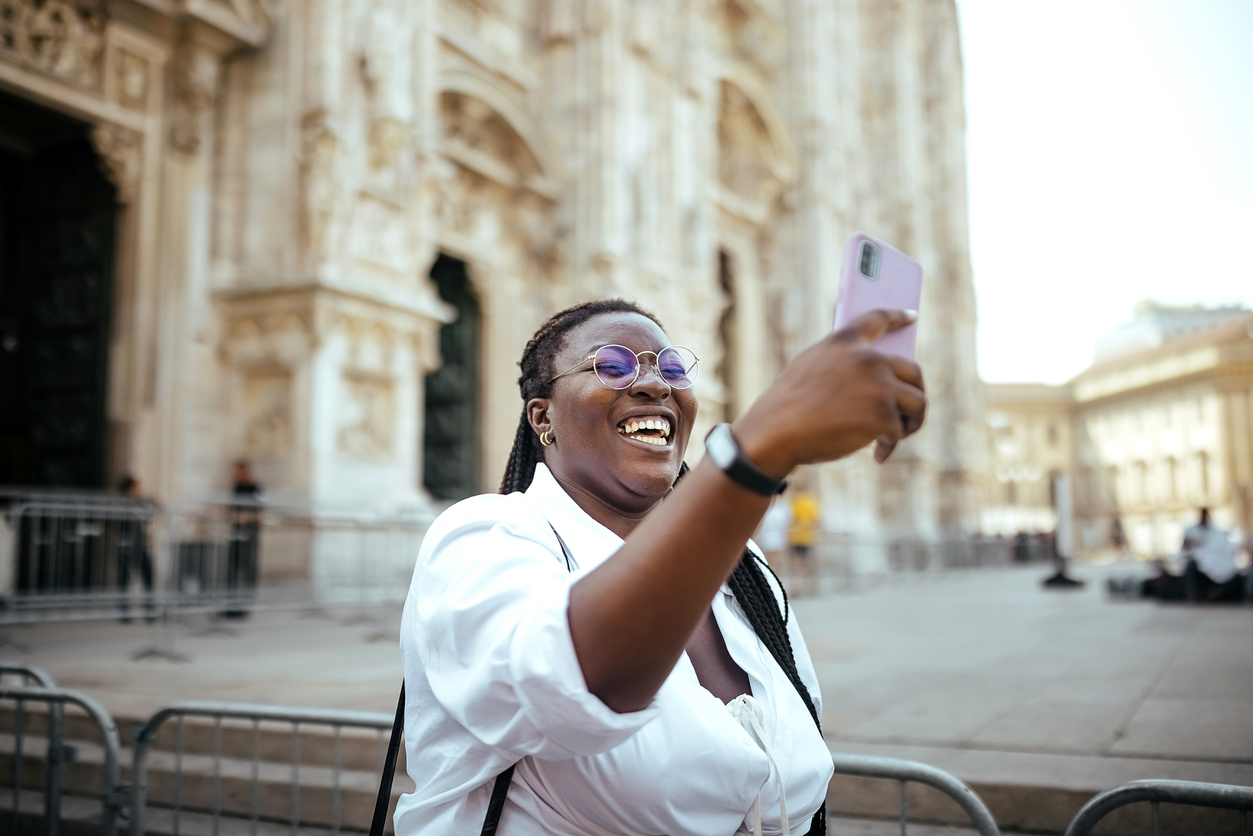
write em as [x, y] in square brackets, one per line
[721, 445]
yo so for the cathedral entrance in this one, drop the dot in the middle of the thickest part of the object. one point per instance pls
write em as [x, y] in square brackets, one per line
[57, 214]
[450, 446]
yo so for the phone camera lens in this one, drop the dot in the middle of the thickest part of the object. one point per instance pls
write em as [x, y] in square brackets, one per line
[869, 260]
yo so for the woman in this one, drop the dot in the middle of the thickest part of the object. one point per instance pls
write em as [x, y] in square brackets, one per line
[608, 633]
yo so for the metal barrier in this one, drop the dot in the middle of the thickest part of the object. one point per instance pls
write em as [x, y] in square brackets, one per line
[31, 674]
[75, 555]
[112, 797]
[38, 677]
[1192, 793]
[904, 771]
[250, 718]
[840, 560]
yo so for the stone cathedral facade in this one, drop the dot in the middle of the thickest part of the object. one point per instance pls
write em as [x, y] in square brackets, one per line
[317, 233]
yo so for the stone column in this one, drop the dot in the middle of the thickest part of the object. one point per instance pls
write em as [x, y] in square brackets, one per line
[955, 389]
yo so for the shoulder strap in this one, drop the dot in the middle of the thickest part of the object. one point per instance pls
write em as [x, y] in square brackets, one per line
[497, 803]
[571, 563]
[501, 788]
[389, 769]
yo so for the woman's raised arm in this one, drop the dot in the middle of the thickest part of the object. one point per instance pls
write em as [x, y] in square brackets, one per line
[631, 618]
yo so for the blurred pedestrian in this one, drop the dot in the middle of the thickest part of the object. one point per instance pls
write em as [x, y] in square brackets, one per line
[241, 560]
[1210, 572]
[1022, 547]
[132, 546]
[802, 535]
[772, 533]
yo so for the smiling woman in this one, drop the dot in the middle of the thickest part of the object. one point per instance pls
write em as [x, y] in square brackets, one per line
[597, 650]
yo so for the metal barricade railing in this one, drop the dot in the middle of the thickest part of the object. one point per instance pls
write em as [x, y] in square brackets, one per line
[1157, 792]
[905, 772]
[111, 794]
[76, 555]
[211, 723]
[30, 674]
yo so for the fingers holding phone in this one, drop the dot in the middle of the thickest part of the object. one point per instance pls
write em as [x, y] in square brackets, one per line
[836, 397]
[859, 384]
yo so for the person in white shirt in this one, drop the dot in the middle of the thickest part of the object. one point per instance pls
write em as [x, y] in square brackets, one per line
[1211, 561]
[595, 650]
[772, 533]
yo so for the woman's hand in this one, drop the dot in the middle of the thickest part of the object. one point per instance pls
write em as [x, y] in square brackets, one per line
[836, 397]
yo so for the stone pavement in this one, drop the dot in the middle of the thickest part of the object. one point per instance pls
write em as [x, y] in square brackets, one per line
[1038, 699]
[1015, 689]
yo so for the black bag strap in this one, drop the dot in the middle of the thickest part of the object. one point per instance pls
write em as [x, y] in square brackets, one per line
[389, 768]
[496, 805]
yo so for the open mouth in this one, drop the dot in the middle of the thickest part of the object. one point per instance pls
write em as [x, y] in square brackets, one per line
[650, 429]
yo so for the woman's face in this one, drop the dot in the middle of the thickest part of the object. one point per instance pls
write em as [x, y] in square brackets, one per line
[588, 421]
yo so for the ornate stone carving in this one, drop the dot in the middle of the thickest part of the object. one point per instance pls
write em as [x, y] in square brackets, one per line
[64, 38]
[385, 68]
[121, 157]
[367, 416]
[267, 405]
[387, 139]
[744, 147]
[267, 339]
[560, 21]
[320, 186]
[130, 80]
[466, 204]
[378, 233]
[198, 74]
[197, 77]
[472, 124]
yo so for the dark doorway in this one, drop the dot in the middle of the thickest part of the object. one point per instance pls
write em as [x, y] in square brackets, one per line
[450, 444]
[57, 214]
[727, 336]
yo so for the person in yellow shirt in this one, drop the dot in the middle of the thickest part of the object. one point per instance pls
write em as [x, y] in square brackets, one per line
[802, 535]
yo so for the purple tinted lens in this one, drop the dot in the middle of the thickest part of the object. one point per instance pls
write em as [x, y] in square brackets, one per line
[675, 365]
[616, 366]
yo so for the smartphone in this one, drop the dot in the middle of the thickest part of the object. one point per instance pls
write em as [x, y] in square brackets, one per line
[876, 275]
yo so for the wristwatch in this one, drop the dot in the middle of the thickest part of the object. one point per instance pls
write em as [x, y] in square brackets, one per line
[726, 452]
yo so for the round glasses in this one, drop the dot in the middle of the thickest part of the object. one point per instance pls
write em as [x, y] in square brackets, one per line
[617, 366]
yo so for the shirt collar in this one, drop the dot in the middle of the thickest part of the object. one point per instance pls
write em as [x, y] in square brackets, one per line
[590, 542]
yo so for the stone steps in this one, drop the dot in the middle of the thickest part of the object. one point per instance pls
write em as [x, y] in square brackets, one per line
[81, 817]
[324, 796]
[273, 741]
[1026, 793]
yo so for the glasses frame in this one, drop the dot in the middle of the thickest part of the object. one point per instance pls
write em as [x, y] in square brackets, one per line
[639, 366]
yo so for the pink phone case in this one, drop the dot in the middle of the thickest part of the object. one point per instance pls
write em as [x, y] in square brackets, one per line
[897, 285]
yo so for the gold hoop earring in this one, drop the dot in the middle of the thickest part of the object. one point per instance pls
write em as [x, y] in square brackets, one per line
[544, 439]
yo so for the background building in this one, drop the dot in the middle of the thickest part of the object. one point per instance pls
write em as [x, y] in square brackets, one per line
[317, 234]
[1160, 426]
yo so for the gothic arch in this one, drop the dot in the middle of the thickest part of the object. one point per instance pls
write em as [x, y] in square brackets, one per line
[779, 152]
[505, 106]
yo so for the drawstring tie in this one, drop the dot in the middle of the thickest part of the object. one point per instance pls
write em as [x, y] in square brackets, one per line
[747, 713]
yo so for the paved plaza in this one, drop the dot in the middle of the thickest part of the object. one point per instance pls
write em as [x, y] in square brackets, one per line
[980, 672]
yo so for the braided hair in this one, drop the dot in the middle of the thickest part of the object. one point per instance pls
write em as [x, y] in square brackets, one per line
[748, 582]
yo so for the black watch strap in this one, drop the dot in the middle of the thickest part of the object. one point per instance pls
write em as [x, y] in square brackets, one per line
[726, 452]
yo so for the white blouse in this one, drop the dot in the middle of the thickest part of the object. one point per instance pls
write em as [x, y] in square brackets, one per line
[492, 678]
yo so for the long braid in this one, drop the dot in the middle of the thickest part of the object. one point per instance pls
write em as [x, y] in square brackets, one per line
[756, 598]
[536, 380]
[526, 453]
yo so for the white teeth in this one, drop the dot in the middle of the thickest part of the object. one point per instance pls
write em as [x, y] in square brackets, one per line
[634, 425]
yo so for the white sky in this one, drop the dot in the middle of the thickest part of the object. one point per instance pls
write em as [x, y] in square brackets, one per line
[1111, 160]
